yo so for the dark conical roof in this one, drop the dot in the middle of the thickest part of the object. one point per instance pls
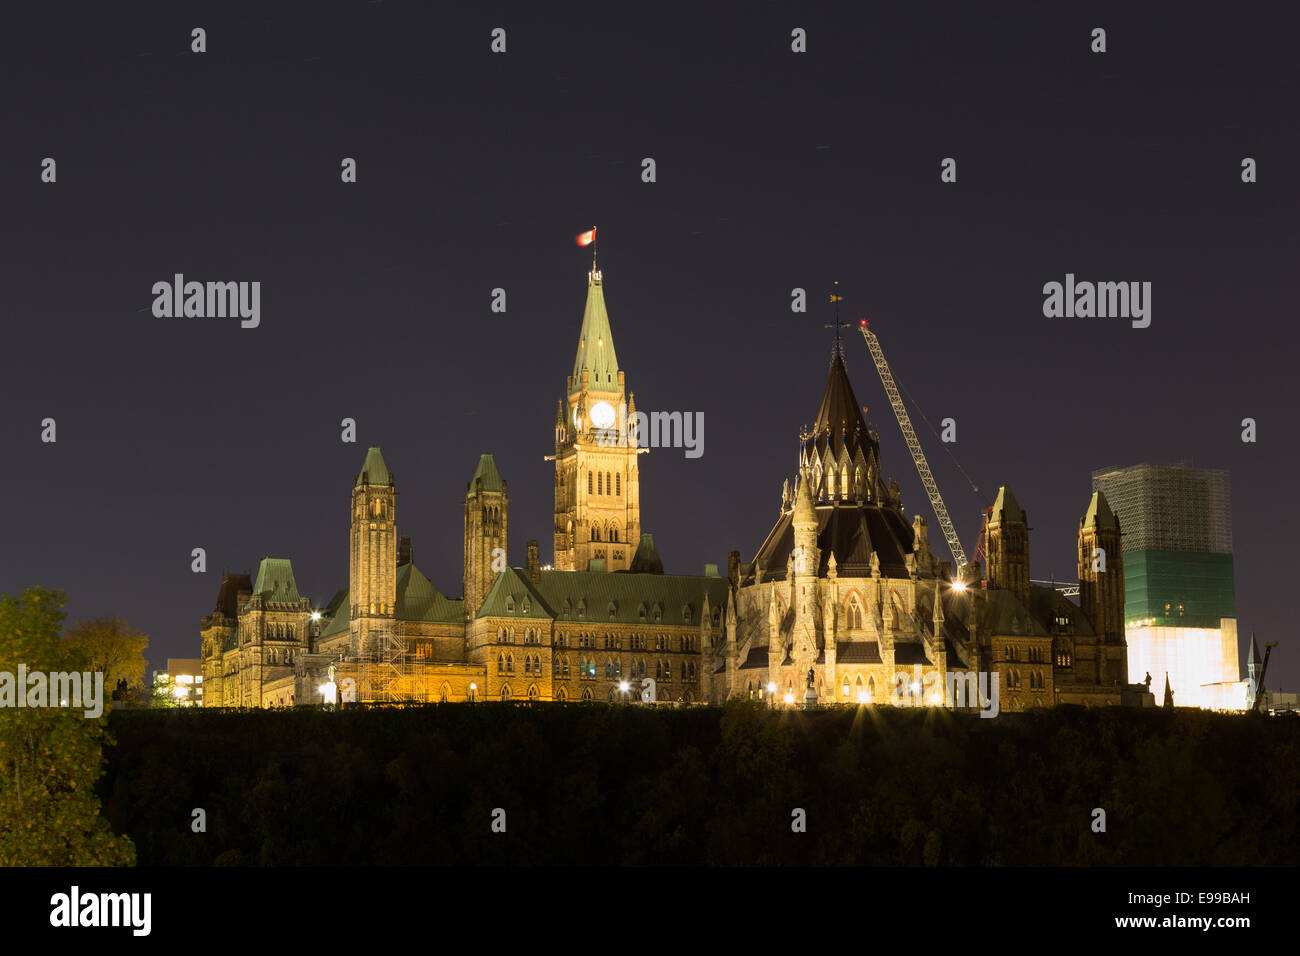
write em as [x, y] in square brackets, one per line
[646, 560]
[839, 419]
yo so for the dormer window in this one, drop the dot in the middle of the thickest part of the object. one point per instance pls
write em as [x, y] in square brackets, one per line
[686, 613]
[510, 604]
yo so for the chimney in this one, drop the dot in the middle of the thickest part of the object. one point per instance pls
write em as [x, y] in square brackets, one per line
[404, 551]
[534, 562]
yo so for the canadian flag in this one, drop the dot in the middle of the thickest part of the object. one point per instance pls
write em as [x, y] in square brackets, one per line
[587, 238]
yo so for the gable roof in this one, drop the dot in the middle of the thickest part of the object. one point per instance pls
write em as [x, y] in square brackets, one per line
[342, 616]
[598, 597]
[419, 600]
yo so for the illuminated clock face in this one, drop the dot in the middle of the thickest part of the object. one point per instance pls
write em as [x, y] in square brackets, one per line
[602, 414]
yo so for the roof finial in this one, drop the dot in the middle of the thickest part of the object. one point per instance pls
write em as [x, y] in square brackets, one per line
[837, 349]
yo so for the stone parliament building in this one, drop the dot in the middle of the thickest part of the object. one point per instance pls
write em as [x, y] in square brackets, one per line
[843, 600]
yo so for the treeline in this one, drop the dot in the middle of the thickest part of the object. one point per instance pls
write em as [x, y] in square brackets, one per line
[598, 784]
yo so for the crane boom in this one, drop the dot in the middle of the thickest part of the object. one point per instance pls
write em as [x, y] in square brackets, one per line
[914, 446]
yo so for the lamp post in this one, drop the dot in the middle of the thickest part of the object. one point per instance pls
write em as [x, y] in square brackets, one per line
[771, 693]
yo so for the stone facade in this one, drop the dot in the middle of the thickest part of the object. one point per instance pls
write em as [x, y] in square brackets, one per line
[844, 602]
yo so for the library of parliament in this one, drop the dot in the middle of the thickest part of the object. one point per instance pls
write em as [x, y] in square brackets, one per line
[844, 601]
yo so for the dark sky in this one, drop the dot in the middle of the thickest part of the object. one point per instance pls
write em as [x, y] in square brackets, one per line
[775, 170]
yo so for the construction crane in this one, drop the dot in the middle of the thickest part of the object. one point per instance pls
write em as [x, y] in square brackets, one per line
[1260, 695]
[914, 446]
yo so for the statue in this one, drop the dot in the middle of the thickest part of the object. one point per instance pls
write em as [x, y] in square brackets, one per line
[812, 677]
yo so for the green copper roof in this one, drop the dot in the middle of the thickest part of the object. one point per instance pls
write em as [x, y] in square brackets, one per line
[275, 581]
[419, 600]
[596, 343]
[1008, 617]
[487, 470]
[374, 469]
[342, 616]
[1099, 510]
[646, 560]
[600, 597]
[1005, 507]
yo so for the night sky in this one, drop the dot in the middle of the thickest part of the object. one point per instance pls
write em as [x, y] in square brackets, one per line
[775, 170]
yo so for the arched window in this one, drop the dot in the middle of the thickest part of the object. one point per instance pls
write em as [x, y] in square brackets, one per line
[582, 666]
[505, 693]
[532, 692]
[501, 664]
[586, 693]
[854, 613]
[561, 695]
[613, 535]
[692, 670]
[609, 669]
[845, 686]
[566, 667]
[618, 484]
[510, 663]
[871, 687]
[595, 533]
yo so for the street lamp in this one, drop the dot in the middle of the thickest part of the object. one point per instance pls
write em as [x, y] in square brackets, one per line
[622, 689]
[771, 693]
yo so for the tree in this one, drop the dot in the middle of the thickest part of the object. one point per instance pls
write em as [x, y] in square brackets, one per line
[112, 646]
[51, 756]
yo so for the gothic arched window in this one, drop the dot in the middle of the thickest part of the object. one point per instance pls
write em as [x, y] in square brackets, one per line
[618, 484]
[589, 483]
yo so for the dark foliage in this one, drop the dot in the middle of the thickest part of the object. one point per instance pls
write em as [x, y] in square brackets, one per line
[597, 784]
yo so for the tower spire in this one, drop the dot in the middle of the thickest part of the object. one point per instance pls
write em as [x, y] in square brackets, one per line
[837, 349]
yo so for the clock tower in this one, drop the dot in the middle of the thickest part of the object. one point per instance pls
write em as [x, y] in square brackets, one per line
[597, 491]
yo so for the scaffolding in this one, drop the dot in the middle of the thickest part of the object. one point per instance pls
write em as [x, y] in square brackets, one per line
[393, 674]
[1169, 507]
